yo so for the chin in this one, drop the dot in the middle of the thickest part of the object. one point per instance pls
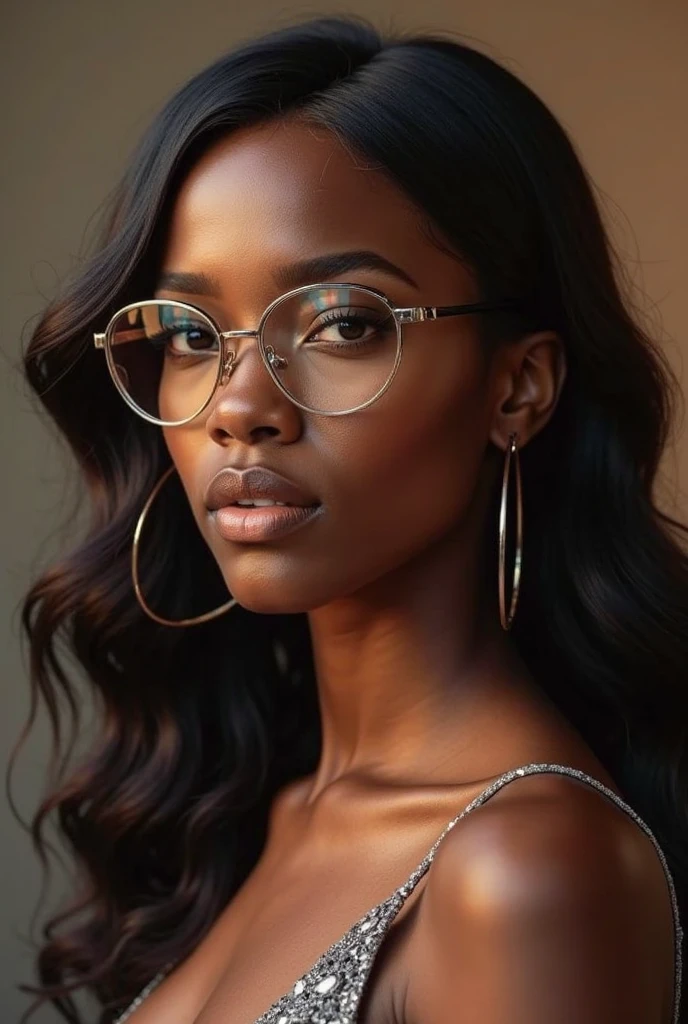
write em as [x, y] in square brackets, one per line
[284, 596]
[270, 598]
[266, 604]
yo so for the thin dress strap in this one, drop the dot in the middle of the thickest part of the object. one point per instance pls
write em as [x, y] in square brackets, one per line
[534, 769]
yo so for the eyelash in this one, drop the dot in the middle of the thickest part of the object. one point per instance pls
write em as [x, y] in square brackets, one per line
[160, 339]
[341, 316]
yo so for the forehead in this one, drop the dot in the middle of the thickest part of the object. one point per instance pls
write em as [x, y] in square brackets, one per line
[283, 191]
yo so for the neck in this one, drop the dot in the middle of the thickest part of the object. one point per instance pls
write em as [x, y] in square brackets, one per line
[401, 667]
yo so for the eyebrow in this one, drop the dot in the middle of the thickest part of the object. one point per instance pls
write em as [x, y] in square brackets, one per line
[192, 284]
[317, 268]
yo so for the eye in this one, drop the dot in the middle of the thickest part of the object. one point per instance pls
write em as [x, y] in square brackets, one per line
[342, 327]
[185, 338]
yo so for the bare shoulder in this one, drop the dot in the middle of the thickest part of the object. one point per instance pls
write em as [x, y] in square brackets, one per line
[548, 902]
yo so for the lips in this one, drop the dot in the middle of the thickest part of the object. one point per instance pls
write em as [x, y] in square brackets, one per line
[231, 485]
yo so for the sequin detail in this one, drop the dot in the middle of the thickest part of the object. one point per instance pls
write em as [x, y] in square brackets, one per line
[330, 991]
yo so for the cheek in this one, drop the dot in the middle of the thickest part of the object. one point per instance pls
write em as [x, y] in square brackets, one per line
[410, 469]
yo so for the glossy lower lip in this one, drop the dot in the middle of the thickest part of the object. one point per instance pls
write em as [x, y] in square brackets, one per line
[252, 525]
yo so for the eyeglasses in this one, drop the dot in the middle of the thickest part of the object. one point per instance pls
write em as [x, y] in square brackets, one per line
[332, 349]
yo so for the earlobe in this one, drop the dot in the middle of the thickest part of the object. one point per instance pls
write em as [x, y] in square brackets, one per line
[530, 383]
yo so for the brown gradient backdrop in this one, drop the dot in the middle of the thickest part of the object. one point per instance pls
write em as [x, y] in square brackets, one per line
[81, 80]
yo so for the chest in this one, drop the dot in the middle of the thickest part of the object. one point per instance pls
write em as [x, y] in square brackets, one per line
[346, 979]
[259, 947]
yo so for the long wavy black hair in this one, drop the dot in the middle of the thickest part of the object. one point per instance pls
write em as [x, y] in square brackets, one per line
[196, 729]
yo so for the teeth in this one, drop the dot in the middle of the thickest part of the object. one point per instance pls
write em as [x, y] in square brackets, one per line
[260, 502]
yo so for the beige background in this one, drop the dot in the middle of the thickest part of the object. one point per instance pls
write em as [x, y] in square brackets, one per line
[83, 77]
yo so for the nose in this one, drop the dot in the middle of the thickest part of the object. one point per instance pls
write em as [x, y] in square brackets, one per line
[247, 405]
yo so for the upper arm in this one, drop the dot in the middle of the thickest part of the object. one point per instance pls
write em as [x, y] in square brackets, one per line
[549, 906]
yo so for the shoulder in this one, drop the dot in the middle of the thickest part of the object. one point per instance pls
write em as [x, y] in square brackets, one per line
[547, 898]
[545, 837]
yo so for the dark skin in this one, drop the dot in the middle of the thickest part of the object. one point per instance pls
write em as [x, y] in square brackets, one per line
[547, 903]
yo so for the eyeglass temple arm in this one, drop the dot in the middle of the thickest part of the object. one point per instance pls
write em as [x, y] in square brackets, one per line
[415, 314]
[470, 307]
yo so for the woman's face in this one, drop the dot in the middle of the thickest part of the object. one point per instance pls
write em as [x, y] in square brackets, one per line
[391, 480]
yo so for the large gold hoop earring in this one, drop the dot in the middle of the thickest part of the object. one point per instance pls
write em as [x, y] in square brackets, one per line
[135, 569]
[505, 619]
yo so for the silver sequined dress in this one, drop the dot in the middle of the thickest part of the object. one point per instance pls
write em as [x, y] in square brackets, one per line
[330, 991]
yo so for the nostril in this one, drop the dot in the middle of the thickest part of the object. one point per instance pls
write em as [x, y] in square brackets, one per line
[264, 431]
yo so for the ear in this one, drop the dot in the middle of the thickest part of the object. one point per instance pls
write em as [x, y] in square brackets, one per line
[527, 380]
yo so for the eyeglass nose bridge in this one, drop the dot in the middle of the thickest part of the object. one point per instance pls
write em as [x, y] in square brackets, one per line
[229, 355]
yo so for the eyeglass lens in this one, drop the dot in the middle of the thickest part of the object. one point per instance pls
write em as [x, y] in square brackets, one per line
[331, 349]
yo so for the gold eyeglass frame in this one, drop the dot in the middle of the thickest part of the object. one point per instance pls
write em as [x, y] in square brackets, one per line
[227, 361]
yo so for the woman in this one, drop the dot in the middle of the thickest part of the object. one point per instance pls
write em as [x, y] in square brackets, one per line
[303, 709]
